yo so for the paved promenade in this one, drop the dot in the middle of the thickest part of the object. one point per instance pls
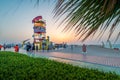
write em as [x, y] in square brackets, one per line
[95, 56]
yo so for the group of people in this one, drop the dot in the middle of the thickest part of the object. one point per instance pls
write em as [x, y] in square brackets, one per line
[16, 48]
[29, 47]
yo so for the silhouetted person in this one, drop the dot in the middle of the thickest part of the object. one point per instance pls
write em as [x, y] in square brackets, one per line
[84, 48]
[28, 47]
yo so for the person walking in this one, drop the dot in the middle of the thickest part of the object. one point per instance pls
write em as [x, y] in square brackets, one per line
[0, 47]
[16, 48]
[84, 50]
[28, 47]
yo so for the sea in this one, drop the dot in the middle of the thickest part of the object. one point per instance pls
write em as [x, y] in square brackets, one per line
[112, 46]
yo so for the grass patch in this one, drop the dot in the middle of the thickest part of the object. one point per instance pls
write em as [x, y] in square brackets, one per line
[14, 66]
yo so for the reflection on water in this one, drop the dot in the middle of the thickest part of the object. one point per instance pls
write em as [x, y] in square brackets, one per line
[32, 54]
[89, 65]
[101, 63]
[101, 67]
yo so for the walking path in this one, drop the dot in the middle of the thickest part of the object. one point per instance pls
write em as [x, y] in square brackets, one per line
[96, 57]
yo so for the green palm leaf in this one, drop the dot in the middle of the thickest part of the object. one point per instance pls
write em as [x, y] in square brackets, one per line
[89, 17]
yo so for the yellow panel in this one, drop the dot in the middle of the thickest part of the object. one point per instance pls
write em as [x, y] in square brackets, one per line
[40, 45]
[39, 24]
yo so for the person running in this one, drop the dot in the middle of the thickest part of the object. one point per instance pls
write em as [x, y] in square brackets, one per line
[1, 47]
[16, 48]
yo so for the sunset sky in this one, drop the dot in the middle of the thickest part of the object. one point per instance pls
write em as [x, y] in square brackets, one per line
[16, 22]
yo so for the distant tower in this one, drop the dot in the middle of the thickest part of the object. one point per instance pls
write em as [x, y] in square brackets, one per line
[39, 32]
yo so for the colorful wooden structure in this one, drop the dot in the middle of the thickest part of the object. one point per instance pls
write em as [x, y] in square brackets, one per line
[40, 41]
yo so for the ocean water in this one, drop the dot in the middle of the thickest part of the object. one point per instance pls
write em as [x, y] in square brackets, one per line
[113, 45]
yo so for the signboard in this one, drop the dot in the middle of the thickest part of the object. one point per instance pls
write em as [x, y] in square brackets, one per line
[39, 29]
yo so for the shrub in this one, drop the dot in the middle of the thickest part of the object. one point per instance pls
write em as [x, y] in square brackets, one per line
[15, 66]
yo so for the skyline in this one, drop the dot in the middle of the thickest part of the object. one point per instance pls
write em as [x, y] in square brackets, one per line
[16, 22]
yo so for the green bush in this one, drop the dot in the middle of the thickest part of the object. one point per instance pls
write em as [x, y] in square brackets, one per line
[15, 66]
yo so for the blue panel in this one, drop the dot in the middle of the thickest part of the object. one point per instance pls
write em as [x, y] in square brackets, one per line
[39, 29]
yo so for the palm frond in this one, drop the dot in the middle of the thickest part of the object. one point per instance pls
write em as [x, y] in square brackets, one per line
[87, 17]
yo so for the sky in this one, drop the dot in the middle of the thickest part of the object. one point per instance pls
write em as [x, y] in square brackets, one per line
[16, 22]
